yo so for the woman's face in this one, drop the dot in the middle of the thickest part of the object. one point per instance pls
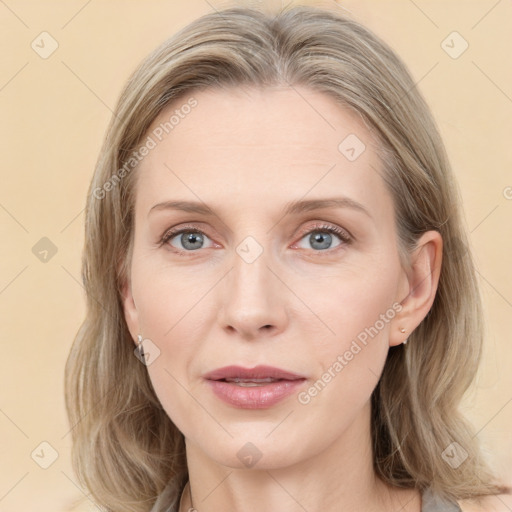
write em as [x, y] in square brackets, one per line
[294, 266]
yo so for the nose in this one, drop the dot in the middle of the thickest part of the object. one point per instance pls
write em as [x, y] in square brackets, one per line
[253, 300]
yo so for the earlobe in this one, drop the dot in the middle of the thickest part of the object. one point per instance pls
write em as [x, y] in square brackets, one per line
[423, 279]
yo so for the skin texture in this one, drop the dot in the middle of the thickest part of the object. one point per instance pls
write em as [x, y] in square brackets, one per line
[247, 153]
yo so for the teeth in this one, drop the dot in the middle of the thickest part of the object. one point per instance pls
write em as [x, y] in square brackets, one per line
[249, 382]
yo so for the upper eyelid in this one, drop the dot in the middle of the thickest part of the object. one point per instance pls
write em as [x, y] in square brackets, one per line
[326, 226]
[192, 227]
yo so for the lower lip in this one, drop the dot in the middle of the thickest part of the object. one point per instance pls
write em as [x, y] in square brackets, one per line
[254, 397]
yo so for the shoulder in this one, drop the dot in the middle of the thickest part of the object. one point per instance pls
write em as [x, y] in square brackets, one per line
[498, 503]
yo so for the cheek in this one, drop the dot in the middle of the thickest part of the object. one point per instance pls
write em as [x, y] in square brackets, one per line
[352, 303]
[166, 297]
[357, 312]
[340, 325]
[349, 362]
[326, 313]
[171, 305]
[171, 388]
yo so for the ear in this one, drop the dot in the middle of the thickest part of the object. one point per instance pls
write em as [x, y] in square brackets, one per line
[419, 286]
[130, 310]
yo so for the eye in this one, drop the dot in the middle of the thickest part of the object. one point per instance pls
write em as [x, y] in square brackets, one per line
[188, 239]
[321, 238]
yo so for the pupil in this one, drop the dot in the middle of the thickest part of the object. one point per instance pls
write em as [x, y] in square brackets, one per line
[191, 239]
[323, 239]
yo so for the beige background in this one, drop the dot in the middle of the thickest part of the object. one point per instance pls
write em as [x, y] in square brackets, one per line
[54, 115]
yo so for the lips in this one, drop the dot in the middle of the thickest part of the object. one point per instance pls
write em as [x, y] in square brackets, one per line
[253, 388]
[259, 374]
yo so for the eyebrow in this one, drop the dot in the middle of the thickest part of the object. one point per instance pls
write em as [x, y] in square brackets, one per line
[294, 207]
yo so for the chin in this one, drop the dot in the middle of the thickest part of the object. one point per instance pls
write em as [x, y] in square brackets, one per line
[257, 452]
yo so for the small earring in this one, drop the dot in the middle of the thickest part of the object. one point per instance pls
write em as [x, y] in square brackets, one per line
[402, 330]
[140, 348]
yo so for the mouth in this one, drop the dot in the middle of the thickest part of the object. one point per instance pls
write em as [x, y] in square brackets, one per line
[259, 375]
[253, 388]
[250, 382]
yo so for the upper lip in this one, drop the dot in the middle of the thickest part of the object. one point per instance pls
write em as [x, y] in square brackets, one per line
[258, 372]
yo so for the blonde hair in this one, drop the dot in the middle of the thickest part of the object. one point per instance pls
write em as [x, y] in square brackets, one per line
[125, 447]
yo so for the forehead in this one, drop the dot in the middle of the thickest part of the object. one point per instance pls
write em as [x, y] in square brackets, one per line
[271, 116]
[249, 144]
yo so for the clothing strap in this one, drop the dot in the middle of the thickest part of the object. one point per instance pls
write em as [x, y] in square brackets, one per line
[433, 503]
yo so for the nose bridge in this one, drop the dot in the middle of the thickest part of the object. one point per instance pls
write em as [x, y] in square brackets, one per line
[250, 272]
[251, 299]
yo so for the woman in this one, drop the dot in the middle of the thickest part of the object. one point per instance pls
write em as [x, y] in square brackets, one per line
[274, 231]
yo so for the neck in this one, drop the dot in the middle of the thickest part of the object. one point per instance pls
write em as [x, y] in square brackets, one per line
[340, 477]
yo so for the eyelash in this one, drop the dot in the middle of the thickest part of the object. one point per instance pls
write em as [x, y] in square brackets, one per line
[344, 236]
